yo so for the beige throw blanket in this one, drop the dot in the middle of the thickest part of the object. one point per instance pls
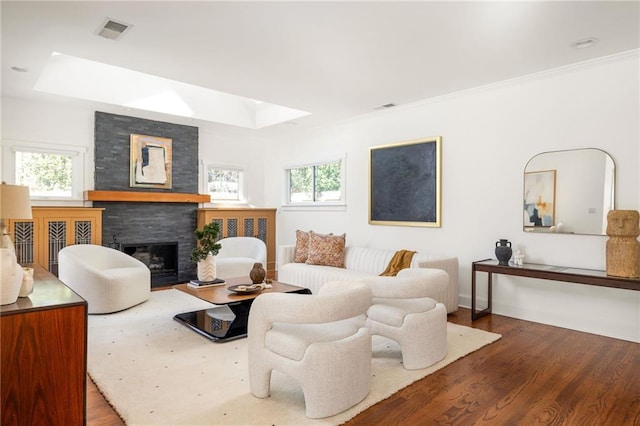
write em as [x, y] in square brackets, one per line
[400, 260]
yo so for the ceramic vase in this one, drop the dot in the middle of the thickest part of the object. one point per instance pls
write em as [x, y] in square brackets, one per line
[11, 277]
[207, 268]
[27, 282]
[503, 252]
[257, 273]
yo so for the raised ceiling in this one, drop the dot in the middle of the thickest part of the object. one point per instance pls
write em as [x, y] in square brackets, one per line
[334, 60]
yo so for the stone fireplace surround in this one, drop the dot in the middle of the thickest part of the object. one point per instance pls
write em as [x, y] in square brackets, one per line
[147, 222]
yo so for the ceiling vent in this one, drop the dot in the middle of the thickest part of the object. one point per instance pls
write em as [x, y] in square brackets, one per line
[113, 30]
[385, 106]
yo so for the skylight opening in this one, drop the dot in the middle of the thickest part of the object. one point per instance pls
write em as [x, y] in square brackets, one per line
[167, 102]
[75, 77]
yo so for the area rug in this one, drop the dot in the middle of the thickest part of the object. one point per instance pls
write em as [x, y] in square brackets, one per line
[155, 371]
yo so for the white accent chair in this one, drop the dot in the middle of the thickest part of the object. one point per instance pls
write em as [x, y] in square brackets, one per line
[108, 279]
[237, 256]
[403, 311]
[319, 340]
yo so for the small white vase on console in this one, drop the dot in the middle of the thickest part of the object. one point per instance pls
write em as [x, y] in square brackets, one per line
[207, 268]
[27, 283]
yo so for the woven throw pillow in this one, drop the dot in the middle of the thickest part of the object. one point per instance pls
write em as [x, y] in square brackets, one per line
[326, 250]
[302, 247]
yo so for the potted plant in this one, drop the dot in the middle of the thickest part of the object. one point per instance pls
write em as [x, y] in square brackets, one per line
[204, 254]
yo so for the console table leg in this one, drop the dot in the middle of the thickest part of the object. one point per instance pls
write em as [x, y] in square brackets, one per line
[479, 314]
[489, 292]
[473, 293]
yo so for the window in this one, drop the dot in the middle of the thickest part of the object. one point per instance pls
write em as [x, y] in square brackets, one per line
[225, 184]
[46, 175]
[49, 171]
[316, 184]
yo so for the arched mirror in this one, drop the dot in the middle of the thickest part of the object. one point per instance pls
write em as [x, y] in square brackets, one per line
[569, 191]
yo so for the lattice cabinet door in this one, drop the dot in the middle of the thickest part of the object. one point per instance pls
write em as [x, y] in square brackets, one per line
[230, 227]
[61, 232]
[24, 237]
[257, 226]
[38, 241]
[254, 226]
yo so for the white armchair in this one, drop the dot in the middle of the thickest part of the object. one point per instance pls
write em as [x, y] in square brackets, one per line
[404, 311]
[108, 279]
[319, 340]
[237, 256]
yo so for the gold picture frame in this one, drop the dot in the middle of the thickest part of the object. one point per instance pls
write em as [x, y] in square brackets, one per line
[405, 183]
[151, 162]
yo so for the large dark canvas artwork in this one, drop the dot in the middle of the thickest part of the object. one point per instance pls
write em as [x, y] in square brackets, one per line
[404, 183]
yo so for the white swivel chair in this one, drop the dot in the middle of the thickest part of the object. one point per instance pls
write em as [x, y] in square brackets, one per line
[108, 279]
[237, 256]
[319, 340]
[403, 311]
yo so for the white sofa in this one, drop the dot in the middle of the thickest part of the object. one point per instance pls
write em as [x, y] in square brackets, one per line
[362, 264]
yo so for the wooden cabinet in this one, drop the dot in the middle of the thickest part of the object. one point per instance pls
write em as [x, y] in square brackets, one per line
[259, 223]
[43, 356]
[39, 240]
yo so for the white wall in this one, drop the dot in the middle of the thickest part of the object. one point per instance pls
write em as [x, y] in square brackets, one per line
[25, 121]
[219, 148]
[489, 134]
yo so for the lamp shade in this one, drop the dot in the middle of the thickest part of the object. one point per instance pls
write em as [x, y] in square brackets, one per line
[15, 202]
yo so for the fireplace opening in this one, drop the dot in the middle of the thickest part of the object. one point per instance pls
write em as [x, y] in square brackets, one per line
[160, 258]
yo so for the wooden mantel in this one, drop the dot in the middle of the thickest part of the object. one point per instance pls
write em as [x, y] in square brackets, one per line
[146, 197]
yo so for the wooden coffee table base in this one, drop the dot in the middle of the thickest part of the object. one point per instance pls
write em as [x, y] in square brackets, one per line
[228, 319]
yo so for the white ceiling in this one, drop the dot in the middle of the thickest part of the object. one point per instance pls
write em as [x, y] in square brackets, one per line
[334, 60]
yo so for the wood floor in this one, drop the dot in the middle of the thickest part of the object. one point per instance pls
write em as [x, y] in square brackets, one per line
[535, 375]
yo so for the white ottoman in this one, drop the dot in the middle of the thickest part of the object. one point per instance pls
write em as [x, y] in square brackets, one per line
[418, 325]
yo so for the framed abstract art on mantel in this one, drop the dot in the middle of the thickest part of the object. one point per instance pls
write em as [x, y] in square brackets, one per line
[405, 183]
[151, 158]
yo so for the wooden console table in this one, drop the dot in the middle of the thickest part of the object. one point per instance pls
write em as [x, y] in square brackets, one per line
[44, 356]
[543, 272]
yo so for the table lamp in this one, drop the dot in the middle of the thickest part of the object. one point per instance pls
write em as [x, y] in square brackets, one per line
[14, 204]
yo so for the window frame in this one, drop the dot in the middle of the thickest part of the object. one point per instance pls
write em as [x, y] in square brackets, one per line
[242, 185]
[327, 205]
[77, 154]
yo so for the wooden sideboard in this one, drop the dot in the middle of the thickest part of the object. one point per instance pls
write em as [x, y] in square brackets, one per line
[39, 240]
[43, 356]
[247, 222]
[543, 272]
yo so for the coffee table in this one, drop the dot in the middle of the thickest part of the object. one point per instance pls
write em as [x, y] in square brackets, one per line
[227, 320]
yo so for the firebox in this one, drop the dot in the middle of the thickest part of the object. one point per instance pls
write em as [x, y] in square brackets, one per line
[160, 258]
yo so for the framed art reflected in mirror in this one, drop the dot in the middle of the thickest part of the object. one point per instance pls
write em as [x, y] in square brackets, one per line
[539, 198]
